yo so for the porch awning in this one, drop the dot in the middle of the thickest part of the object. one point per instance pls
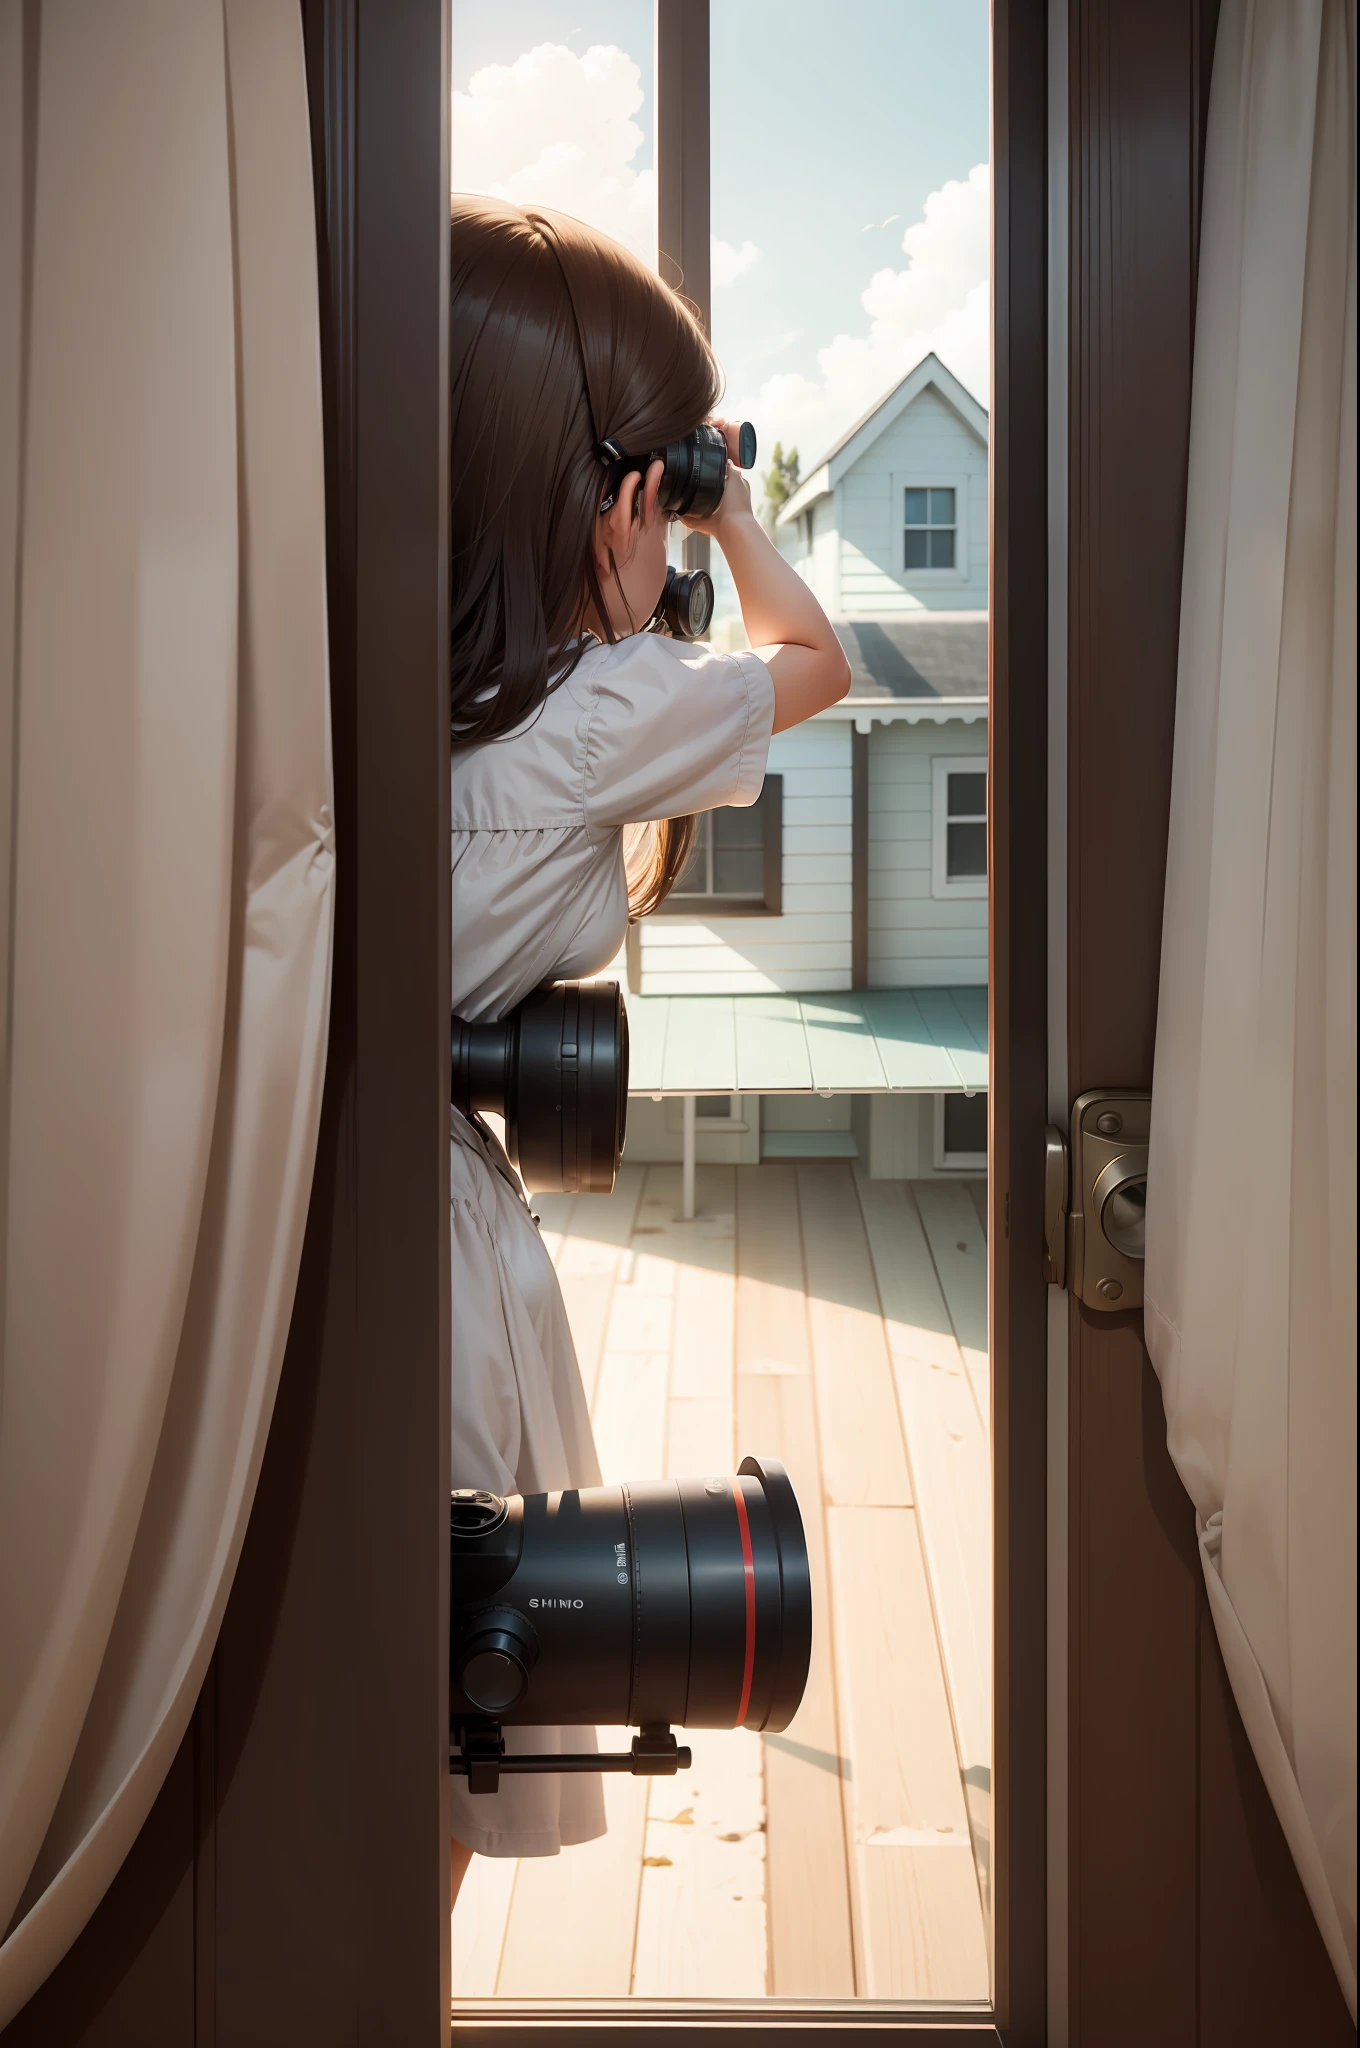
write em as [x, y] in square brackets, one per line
[876, 1041]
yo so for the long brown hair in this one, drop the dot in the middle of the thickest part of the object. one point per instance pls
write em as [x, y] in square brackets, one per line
[558, 339]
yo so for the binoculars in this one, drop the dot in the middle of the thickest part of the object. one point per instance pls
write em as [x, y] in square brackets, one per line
[693, 479]
[693, 474]
[685, 606]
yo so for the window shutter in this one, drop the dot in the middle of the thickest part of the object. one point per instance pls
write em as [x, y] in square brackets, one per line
[772, 806]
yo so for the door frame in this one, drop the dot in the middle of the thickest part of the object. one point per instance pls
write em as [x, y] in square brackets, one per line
[1018, 746]
[1172, 1847]
[294, 1865]
[1018, 1298]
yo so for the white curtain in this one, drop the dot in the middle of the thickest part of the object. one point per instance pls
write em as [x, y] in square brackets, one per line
[168, 877]
[1251, 1301]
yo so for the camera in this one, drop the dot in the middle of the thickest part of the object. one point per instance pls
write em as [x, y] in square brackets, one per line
[557, 1070]
[685, 1602]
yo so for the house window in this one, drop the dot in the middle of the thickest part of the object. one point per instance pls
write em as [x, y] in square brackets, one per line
[736, 868]
[959, 863]
[961, 1133]
[931, 522]
[711, 1113]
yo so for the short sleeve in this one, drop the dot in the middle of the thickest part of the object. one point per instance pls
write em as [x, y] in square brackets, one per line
[674, 727]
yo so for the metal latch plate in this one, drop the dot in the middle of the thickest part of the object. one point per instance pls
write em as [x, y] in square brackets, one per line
[1106, 1233]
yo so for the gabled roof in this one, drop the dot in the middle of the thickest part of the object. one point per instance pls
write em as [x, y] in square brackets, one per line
[930, 373]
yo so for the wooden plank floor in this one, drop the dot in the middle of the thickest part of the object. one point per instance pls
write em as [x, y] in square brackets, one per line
[840, 1324]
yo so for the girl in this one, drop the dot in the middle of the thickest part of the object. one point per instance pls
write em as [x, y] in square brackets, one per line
[582, 747]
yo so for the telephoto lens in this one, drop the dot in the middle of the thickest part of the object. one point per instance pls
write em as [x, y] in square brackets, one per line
[682, 1601]
[557, 1070]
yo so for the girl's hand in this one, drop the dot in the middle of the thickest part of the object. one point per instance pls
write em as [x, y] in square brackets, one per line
[785, 625]
[736, 498]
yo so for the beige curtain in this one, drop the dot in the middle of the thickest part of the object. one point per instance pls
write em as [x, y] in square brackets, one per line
[167, 869]
[1251, 1302]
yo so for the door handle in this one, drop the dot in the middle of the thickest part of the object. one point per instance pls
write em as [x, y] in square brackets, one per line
[1095, 1200]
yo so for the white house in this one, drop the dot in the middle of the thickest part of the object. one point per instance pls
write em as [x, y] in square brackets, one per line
[893, 519]
[862, 869]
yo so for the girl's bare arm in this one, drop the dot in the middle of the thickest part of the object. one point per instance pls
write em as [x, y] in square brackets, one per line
[785, 624]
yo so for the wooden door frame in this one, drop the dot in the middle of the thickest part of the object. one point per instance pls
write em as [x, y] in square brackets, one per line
[1134, 106]
[330, 1794]
[1183, 1920]
[1017, 739]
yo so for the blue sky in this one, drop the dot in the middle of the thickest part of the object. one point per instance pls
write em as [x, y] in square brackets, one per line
[824, 118]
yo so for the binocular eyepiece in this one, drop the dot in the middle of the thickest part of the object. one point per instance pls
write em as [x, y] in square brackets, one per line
[694, 470]
[685, 606]
[557, 1070]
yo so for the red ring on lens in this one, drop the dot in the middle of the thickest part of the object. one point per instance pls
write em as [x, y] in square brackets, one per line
[749, 1569]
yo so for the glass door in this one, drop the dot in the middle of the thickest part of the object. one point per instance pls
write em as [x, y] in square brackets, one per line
[820, 1293]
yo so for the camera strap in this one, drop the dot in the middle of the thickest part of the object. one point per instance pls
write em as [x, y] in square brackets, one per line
[617, 466]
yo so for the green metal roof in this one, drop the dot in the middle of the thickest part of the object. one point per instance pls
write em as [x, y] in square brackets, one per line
[919, 1040]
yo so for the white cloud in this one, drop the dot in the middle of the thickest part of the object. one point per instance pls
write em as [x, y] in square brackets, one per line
[729, 263]
[555, 129]
[940, 301]
[777, 344]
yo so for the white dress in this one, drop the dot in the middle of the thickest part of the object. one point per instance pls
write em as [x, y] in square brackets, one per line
[649, 728]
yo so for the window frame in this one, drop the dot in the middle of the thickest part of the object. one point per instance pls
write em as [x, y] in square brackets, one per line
[931, 479]
[945, 887]
[770, 805]
[954, 1162]
[930, 526]
[736, 1120]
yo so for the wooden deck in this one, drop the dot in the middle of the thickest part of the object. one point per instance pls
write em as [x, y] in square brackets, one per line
[840, 1324]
